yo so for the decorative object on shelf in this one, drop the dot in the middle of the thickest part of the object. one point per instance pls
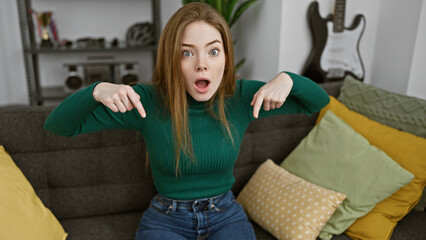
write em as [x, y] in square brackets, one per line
[227, 9]
[140, 34]
[73, 79]
[114, 43]
[46, 28]
[66, 43]
[129, 76]
[90, 42]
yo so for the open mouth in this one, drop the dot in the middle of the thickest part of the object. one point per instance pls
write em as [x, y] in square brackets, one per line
[202, 85]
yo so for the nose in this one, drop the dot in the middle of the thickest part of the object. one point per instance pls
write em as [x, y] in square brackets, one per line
[201, 64]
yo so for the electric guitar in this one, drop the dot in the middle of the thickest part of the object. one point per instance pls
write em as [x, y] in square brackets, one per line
[335, 52]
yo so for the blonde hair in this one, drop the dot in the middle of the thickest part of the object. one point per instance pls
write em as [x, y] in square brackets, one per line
[169, 79]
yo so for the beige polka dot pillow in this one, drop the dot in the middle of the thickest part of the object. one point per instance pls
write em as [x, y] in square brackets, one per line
[285, 205]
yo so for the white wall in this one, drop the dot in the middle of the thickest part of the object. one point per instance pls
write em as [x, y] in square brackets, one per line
[13, 86]
[167, 9]
[4, 95]
[273, 35]
[417, 80]
[258, 38]
[396, 37]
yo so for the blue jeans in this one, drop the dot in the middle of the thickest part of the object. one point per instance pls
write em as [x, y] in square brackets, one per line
[210, 218]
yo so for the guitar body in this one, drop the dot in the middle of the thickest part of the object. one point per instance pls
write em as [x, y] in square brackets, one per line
[334, 54]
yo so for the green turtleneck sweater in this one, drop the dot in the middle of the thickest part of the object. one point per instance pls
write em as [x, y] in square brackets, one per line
[211, 173]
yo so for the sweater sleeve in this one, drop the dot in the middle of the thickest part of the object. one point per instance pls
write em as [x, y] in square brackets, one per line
[81, 113]
[305, 97]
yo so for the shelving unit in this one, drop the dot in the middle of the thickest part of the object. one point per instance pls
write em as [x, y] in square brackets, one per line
[38, 94]
[38, 50]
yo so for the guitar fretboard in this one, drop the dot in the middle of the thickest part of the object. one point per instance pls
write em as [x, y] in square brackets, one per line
[339, 16]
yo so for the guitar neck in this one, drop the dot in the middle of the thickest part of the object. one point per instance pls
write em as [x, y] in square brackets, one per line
[339, 16]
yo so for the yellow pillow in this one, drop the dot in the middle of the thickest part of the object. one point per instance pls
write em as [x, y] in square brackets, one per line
[285, 205]
[407, 150]
[22, 214]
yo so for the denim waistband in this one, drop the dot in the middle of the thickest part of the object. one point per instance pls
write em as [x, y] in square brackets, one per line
[171, 205]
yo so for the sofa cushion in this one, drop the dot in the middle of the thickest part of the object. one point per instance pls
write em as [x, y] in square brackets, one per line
[412, 226]
[121, 226]
[90, 182]
[336, 157]
[27, 134]
[285, 205]
[399, 111]
[407, 150]
[22, 215]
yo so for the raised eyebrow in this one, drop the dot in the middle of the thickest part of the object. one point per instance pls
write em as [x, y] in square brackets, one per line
[208, 44]
[213, 42]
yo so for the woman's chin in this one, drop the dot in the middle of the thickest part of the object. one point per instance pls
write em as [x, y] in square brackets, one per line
[202, 98]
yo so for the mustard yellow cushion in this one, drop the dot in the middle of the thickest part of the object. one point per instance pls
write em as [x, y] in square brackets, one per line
[285, 205]
[404, 148]
[22, 215]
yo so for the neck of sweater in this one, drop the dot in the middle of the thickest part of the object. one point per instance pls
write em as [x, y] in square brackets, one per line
[194, 104]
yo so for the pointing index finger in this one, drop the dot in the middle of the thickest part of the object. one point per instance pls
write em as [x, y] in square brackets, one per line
[135, 98]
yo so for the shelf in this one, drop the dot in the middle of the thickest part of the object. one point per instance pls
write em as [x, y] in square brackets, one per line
[54, 93]
[32, 51]
[58, 92]
[79, 50]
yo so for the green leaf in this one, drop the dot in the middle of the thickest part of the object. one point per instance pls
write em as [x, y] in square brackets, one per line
[224, 8]
[216, 4]
[190, 1]
[229, 9]
[239, 64]
[219, 6]
[212, 3]
[241, 9]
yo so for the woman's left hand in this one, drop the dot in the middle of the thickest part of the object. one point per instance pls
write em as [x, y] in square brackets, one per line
[273, 94]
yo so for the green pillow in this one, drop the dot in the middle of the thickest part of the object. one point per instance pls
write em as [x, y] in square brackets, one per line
[399, 111]
[336, 157]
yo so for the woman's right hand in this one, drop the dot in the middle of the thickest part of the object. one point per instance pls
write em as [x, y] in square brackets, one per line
[118, 97]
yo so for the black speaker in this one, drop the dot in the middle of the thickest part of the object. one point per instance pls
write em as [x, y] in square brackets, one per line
[73, 80]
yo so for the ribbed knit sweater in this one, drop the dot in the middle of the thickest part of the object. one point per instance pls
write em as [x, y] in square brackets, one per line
[211, 172]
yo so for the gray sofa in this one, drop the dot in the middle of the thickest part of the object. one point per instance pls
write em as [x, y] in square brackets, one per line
[97, 184]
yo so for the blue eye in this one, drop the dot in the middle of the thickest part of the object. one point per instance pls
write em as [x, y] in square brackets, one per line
[186, 53]
[214, 52]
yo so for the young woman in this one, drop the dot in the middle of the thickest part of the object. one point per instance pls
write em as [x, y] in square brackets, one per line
[193, 117]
